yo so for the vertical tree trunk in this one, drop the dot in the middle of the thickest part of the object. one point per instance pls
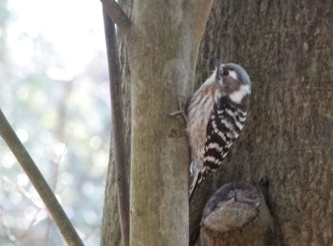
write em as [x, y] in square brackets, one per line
[162, 49]
[287, 49]
[162, 45]
[110, 231]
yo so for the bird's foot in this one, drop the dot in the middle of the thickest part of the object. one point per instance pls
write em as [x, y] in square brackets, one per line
[181, 110]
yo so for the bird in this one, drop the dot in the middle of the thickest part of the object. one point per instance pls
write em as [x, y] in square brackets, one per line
[216, 115]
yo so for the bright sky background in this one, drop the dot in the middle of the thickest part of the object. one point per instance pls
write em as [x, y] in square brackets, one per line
[74, 27]
[75, 31]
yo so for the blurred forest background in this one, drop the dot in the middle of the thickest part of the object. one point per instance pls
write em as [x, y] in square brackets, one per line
[54, 91]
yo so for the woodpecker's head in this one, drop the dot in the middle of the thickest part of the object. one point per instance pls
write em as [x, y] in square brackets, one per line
[234, 80]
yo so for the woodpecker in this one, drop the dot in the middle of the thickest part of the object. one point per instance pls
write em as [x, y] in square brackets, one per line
[215, 117]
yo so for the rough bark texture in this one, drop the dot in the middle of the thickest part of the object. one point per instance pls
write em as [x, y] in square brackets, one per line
[162, 51]
[111, 233]
[118, 127]
[287, 49]
[237, 215]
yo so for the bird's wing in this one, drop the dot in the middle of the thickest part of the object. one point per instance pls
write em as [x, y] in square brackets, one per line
[223, 127]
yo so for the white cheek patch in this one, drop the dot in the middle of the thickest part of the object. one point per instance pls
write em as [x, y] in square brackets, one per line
[238, 95]
[211, 79]
[233, 74]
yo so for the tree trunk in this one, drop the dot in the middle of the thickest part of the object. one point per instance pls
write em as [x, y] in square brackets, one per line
[110, 231]
[162, 49]
[287, 49]
[162, 45]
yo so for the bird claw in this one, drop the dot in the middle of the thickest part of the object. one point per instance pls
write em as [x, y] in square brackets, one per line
[179, 112]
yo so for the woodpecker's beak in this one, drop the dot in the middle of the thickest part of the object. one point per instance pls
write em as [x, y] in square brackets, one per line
[217, 62]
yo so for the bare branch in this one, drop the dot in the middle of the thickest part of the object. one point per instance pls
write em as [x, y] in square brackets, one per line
[6, 230]
[48, 230]
[117, 14]
[118, 131]
[38, 181]
[32, 222]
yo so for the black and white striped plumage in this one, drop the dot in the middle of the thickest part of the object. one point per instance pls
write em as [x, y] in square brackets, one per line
[216, 115]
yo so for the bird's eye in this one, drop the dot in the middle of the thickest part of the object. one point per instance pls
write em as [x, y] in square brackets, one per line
[225, 73]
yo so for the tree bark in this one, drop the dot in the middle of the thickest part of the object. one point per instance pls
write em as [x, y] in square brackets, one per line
[287, 49]
[237, 215]
[110, 231]
[162, 49]
[118, 127]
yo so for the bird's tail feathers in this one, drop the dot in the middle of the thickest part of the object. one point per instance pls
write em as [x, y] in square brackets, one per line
[193, 185]
[197, 178]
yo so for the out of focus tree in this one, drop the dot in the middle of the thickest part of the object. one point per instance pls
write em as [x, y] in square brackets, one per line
[59, 108]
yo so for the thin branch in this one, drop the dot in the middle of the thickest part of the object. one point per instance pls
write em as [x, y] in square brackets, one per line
[91, 233]
[48, 230]
[117, 14]
[32, 222]
[118, 131]
[38, 181]
[6, 229]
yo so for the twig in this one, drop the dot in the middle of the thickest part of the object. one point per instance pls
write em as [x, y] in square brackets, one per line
[91, 233]
[32, 222]
[48, 230]
[117, 14]
[22, 190]
[38, 181]
[6, 230]
[118, 131]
